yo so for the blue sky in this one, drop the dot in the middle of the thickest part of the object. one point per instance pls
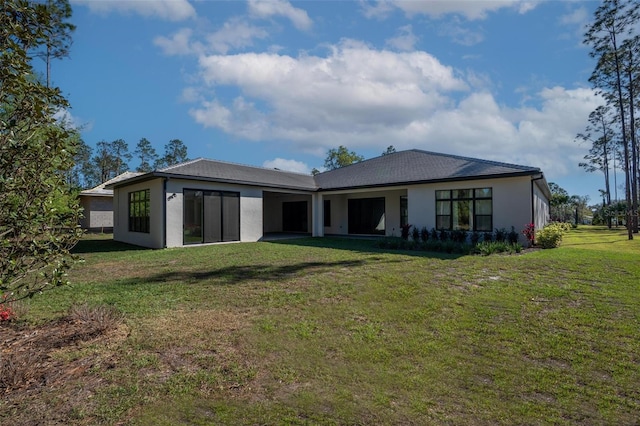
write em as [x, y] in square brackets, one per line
[278, 83]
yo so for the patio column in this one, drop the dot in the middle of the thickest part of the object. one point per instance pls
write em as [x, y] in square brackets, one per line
[317, 215]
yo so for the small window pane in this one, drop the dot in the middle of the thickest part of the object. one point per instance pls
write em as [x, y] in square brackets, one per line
[443, 208]
[483, 193]
[483, 223]
[443, 222]
[443, 195]
[461, 193]
[483, 207]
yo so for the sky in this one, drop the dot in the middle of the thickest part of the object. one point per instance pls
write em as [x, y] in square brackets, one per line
[279, 83]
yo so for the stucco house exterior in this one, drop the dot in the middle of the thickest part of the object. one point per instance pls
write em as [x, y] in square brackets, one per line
[97, 205]
[205, 201]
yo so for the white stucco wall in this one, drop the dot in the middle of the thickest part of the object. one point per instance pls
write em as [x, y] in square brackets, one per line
[511, 201]
[250, 208]
[153, 239]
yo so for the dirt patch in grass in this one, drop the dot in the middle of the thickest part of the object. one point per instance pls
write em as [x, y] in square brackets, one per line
[56, 357]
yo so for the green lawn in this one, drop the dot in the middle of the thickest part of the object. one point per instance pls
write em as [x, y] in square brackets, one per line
[334, 331]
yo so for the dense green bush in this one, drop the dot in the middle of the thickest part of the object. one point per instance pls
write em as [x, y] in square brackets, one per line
[551, 235]
[486, 248]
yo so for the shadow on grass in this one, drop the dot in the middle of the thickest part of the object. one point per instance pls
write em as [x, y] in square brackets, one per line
[236, 274]
[364, 245]
[102, 245]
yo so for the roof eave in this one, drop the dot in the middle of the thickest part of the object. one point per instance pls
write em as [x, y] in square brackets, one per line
[155, 175]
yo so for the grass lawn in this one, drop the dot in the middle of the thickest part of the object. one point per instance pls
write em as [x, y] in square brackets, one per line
[334, 331]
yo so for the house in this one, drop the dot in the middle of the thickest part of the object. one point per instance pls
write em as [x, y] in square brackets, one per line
[206, 201]
[97, 204]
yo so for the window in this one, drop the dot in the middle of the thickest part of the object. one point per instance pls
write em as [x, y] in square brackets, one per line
[465, 209]
[327, 213]
[139, 211]
[210, 216]
[404, 211]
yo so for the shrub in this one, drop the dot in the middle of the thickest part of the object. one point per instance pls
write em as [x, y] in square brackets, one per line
[443, 235]
[424, 234]
[404, 231]
[513, 236]
[434, 234]
[487, 248]
[415, 235]
[529, 232]
[501, 234]
[551, 235]
[475, 238]
[487, 236]
[459, 236]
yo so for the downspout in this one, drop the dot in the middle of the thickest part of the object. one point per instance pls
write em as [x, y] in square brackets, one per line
[164, 212]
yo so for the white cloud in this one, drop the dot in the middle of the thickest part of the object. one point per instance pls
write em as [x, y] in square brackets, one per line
[460, 33]
[405, 40]
[366, 98]
[171, 10]
[470, 9]
[287, 165]
[345, 92]
[268, 8]
[236, 33]
[179, 43]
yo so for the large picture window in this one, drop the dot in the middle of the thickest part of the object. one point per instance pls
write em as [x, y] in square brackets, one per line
[210, 216]
[139, 216]
[465, 209]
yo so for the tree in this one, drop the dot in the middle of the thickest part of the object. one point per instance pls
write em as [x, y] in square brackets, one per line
[340, 157]
[390, 150]
[614, 21]
[559, 204]
[315, 171]
[174, 152]
[58, 34]
[147, 155]
[77, 175]
[111, 159]
[38, 215]
[600, 133]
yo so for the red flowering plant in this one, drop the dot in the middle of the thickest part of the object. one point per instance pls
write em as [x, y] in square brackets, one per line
[529, 232]
[6, 311]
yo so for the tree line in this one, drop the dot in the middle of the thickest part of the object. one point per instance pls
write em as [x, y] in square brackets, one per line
[613, 128]
[110, 159]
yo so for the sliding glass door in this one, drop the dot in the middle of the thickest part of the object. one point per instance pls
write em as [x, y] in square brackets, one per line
[211, 216]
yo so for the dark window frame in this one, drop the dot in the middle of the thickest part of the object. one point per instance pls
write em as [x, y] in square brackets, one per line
[448, 199]
[140, 211]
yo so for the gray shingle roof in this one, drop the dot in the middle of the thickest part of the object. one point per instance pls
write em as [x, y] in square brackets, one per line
[220, 171]
[101, 191]
[416, 166]
[400, 168]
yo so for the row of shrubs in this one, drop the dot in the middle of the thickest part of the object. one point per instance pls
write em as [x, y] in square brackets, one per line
[450, 246]
[459, 236]
[463, 242]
